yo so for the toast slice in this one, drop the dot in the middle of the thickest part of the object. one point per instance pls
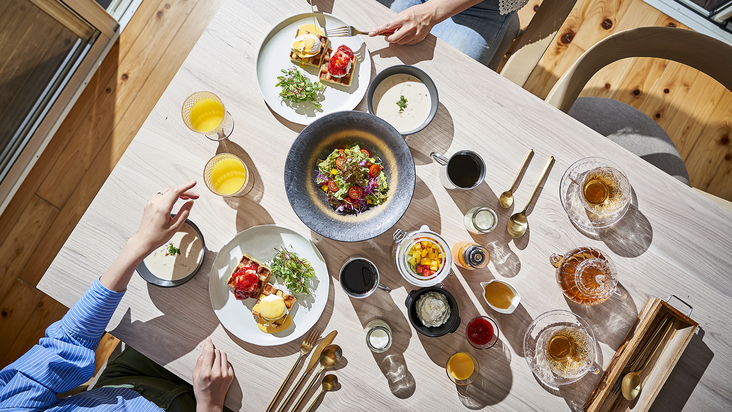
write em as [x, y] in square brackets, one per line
[246, 264]
[325, 76]
[271, 290]
[314, 61]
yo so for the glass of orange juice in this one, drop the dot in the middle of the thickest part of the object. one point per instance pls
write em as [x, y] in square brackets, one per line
[462, 368]
[226, 175]
[204, 112]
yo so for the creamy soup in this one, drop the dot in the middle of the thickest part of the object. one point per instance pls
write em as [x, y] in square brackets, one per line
[403, 101]
[170, 267]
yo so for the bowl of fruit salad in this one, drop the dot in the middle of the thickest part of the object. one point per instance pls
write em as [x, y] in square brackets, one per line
[422, 257]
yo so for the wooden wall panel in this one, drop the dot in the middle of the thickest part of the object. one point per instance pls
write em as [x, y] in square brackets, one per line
[712, 146]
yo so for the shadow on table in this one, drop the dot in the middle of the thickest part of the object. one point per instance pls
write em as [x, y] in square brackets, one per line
[409, 54]
[495, 379]
[685, 376]
[511, 326]
[195, 316]
[436, 137]
[629, 237]
[610, 320]
[254, 191]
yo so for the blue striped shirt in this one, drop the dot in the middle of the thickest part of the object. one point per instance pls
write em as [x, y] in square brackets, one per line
[64, 359]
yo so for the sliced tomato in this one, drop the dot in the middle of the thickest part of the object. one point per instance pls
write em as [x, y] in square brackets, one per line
[333, 186]
[425, 271]
[355, 192]
[366, 152]
[341, 162]
[374, 170]
[340, 61]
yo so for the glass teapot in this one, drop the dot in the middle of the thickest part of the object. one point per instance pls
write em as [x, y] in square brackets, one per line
[586, 275]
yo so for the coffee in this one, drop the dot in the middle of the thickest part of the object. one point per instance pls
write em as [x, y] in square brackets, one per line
[359, 277]
[464, 170]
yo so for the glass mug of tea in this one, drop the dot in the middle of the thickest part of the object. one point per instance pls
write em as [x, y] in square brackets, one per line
[587, 276]
[463, 170]
[604, 189]
[559, 347]
[359, 278]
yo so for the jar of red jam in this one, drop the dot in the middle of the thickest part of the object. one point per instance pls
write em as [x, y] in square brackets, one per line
[482, 332]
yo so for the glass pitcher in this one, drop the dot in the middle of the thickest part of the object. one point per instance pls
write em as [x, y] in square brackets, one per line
[586, 275]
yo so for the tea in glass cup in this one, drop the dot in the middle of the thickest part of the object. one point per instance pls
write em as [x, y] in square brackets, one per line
[569, 351]
[605, 190]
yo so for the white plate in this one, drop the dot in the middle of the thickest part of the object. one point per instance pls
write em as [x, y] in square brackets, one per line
[274, 55]
[259, 242]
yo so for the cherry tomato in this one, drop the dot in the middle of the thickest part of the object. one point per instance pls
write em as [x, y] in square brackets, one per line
[418, 268]
[333, 186]
[366, 152]
[374, 170]
[355, 192]
[341, 162]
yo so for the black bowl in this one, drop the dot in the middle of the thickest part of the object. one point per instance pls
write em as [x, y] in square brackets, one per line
[413, 71]
[448, 327]
[339, 130]
[146, 274]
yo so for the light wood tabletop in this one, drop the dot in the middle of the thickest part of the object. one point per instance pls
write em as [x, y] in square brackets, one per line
[672, 240]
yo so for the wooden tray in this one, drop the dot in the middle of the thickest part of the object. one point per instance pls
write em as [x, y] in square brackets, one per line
[659, 367]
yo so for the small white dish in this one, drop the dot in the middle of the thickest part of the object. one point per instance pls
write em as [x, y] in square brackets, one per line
[514, 302]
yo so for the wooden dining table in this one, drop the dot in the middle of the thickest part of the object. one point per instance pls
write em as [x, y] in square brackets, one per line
[671, 241]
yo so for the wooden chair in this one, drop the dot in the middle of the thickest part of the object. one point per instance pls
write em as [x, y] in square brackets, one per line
[530, 45]
[622, 123]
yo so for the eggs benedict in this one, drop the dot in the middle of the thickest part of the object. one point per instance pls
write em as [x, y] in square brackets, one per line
[272, 310]
[307, 48]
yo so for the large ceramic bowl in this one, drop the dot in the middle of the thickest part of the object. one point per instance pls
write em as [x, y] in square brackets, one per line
[339, 130]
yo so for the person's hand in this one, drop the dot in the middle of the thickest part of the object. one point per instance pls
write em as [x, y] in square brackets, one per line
[211, 378]
[157, 227]
[412, 25]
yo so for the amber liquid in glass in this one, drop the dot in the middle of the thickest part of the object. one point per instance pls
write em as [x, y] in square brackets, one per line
[567, 277]
[568, 352]
[601, 190]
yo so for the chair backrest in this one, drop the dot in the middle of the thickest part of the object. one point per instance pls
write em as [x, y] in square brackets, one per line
[697, 50]
[539, 34]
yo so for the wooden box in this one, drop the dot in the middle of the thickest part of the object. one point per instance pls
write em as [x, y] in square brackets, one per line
[672, 345]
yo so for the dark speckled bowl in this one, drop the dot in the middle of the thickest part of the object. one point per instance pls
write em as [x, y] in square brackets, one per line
[339, 130]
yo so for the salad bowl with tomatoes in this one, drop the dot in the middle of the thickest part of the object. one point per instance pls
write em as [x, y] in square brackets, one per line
[349, 176]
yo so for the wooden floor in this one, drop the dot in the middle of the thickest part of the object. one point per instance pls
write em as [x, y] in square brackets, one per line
[151, 49]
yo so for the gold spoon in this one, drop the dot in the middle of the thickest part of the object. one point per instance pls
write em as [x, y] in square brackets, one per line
[517, 223]
[329, 383]
[631, 385]
[329, 358]
[506, 199]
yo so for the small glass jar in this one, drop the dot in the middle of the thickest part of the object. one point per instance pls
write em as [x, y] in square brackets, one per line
[378, 336]
[480, 220]
[470, 255]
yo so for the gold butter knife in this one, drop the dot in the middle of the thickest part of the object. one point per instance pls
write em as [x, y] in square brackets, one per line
[315, 357]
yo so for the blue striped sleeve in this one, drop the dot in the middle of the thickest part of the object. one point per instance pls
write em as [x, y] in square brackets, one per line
[64, 358]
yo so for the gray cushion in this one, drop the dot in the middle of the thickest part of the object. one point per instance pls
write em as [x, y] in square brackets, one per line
[632, 129]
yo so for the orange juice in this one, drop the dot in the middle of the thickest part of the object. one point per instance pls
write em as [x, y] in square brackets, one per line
[206, 115]
[460, 366]
[228, 175]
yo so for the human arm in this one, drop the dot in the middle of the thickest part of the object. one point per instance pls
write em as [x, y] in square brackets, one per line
[212, 378]
[415, 23]
[64, 358]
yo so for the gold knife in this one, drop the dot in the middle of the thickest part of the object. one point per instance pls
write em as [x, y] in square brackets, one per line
[313, 363]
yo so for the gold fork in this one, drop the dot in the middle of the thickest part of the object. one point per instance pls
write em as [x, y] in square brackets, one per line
[348, 31]
[305, 348]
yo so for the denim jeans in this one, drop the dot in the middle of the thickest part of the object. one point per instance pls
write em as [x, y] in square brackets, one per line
[476, 31]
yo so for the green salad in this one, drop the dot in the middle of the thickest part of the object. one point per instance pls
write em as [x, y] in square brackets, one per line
[352, 180]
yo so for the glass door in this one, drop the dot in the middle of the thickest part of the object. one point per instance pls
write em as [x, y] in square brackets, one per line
[51, 49]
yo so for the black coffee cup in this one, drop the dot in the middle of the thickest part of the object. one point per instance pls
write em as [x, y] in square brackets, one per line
[464, 169]
[359, 277]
